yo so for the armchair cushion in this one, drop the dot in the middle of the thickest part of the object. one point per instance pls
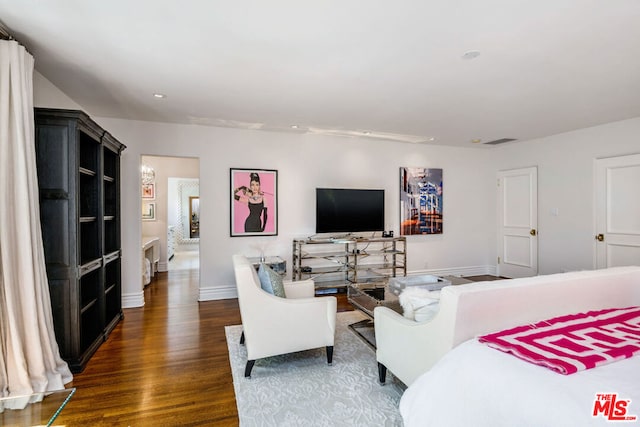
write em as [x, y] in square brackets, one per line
[300, 288]
[270, 281]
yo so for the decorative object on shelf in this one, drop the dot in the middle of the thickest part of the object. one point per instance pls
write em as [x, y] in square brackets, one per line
[148, 211]
[254, 202]
[420, 201]
[262, 246]
[147, 174]
[149, 191]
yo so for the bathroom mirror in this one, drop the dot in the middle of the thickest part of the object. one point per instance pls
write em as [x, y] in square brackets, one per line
[194, 217]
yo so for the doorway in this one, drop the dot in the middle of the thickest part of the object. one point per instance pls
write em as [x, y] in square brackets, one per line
[170, 181]
[617, 237]
[518, 222]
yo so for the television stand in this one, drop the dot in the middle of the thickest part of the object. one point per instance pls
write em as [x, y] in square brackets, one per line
[338, 262]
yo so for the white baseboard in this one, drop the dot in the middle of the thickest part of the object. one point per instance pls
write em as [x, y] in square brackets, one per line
[211, 294]
[133, 300]
[163, 266]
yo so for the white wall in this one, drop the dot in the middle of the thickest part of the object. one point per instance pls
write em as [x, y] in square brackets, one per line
[566, 182]
[46, 95]
[305, 162]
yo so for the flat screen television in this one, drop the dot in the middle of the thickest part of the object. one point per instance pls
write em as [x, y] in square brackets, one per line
[342, 210]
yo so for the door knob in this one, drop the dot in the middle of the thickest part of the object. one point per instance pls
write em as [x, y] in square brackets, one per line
[600, 237]
[533, 232]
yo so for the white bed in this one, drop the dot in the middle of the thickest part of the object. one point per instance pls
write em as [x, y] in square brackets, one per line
[475, 385]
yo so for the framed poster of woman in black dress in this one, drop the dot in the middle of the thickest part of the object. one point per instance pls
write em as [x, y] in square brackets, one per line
[254, 202]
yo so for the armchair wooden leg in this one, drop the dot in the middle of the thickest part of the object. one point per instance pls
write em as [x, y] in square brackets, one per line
[248, 368]
[330, 354]
[382, 373]
[242, 338]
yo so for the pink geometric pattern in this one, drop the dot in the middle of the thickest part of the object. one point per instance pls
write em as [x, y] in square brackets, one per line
[575, 342]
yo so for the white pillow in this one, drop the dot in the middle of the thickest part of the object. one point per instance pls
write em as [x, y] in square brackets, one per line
[427, 312]
[419, 304]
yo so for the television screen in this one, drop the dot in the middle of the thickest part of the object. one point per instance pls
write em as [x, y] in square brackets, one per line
[341, 210]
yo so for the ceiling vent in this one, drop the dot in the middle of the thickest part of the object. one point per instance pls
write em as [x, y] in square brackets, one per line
[500, 141]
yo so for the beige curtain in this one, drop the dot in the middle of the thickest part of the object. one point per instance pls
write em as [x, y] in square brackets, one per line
[29, 359]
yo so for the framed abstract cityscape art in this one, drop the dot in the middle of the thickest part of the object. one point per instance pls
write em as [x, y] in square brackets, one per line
[420, 201]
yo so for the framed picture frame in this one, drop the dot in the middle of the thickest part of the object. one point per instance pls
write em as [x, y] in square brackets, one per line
[420, 201]
[254, 202]
[148, 211]
[149, 191]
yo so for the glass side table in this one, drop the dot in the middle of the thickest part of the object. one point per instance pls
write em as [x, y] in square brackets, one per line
[38, 409]
[276, 263]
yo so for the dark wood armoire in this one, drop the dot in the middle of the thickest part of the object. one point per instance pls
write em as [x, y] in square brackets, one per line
[78, 166]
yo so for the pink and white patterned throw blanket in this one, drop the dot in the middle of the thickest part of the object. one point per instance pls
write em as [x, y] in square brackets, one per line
[575, 342]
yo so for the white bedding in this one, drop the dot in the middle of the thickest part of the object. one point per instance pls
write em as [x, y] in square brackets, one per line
[474, 385]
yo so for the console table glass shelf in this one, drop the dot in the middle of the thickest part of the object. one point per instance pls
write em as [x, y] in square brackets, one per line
[335, 263]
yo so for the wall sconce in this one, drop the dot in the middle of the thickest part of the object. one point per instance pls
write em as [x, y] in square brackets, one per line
[147, 174]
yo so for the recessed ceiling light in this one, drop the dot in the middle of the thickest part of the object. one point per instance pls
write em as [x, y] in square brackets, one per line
[431, 139]
[476, 140]
[159, 95]
[472, 54]
[294, 126]
[366, 132]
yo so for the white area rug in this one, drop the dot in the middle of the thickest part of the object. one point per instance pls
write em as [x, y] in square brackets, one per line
[300, 389]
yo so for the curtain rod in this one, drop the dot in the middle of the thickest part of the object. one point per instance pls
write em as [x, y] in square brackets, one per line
[5, 34]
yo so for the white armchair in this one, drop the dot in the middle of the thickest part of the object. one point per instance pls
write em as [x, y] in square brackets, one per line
[274, 325]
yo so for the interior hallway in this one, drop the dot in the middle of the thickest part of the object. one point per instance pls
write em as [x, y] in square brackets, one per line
[185, 260]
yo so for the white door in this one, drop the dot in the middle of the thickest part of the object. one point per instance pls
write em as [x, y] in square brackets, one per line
[518, 222]
[617, 237]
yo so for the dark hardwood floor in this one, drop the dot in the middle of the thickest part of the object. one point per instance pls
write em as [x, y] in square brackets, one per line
[165, 364]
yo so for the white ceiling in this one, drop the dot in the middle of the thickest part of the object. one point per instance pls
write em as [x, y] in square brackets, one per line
[346, 67]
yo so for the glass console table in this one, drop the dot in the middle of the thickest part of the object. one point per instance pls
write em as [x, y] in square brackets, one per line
[38, 409]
